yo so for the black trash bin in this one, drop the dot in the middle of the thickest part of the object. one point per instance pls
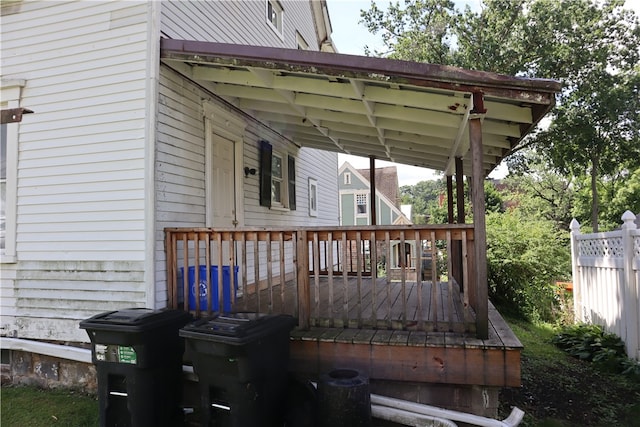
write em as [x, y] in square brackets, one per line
[138, 357]
[241, 360]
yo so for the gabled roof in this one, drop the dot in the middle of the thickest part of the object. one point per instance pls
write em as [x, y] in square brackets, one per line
[392, 203]
[399, 111]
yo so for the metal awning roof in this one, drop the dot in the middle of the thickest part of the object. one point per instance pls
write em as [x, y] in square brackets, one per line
[405, 112]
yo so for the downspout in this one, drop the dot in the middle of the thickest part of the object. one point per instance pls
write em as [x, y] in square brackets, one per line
[151, 119]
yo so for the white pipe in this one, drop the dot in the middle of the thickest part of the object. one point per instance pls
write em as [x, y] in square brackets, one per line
[408, 418]
[511, 421]
[64, 352]
[54, 350]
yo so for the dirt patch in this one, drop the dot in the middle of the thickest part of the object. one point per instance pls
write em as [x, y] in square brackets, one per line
[572, 394]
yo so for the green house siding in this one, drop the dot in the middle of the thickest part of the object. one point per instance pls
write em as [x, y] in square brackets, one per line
[384, 213]
[347, 202]
[362, 221]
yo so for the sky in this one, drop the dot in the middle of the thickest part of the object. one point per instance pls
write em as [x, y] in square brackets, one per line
[350, 37]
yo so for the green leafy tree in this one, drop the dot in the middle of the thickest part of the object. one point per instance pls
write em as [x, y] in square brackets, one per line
[539, 191]
[422, 196]
[592, 46]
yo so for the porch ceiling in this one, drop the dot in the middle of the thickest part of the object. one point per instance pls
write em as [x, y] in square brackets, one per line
[404, 112]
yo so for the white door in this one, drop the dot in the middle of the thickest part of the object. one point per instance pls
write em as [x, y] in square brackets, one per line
[223, 200]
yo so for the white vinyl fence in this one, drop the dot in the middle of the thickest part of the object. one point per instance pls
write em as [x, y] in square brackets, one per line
[606, 278]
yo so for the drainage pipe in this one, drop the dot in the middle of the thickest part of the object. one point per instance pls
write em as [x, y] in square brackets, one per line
[54, 350]
[512, 420]
[408, 418]
[66, 352]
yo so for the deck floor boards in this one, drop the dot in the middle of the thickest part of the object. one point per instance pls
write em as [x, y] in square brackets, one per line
[354, 305]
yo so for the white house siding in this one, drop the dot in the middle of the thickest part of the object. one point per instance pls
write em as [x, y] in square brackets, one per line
[238, 22]
[180, 187]
[180, 174]
[80, 239]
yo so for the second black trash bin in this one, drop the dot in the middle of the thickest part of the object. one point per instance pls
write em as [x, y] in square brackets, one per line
[241, 360]
[138, 357]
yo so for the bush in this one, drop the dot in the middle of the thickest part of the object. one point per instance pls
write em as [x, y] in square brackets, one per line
[525, 257]
[605, 350]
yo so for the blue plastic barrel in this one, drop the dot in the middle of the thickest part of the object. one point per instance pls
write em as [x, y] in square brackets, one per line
[204, 299]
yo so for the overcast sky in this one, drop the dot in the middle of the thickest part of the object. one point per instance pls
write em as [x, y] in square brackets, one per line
[350, 37]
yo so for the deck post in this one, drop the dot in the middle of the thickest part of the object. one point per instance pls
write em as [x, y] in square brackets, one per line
[457, 246]
[450, 218]
[477, 200]
[302, 266]
[372, 183]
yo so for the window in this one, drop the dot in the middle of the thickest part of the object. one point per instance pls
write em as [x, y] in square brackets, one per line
[347, 178]
[313, 197]
[302, 44]
[274, 15]
[361, 204]
[277, 178]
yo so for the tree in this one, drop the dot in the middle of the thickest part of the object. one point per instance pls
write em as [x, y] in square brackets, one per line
[593, 47]
[539, 191]
[422, 196]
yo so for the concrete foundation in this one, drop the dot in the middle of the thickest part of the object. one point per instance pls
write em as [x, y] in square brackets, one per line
[25, 368]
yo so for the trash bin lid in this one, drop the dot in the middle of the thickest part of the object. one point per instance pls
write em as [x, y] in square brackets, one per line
[135, 319]
[238, 327]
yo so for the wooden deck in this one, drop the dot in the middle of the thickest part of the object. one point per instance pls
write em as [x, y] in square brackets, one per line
[350, 303]
[415, 356]
[380, 348]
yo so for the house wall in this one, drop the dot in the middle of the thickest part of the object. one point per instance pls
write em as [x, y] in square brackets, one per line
[180, 157]
[180, 170]
[80, 241]
[239, 22]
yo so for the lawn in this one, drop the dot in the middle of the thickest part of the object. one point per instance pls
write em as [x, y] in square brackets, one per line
[33, 407]
[557, 391]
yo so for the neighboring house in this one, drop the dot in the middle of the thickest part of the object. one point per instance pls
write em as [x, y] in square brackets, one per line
[355, 192]
[355, 209]
[121, 146]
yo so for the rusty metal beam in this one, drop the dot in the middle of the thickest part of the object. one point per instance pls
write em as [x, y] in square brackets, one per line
[14, 115]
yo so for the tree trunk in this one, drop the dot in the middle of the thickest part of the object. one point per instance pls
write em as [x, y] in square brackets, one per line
[595, 205]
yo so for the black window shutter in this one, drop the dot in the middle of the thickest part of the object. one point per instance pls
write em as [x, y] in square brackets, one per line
[291, 170]
[265, 173]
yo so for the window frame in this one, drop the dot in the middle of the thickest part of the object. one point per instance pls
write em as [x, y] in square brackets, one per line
[281, 180]
[347, 178]
[274, 7]
[10, 94]
[366, 204]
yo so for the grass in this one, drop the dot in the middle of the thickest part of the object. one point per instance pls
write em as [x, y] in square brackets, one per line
[34, 407]
[557, 391]
[560, 391]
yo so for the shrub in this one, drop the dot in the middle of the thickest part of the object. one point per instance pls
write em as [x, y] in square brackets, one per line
[525, 256]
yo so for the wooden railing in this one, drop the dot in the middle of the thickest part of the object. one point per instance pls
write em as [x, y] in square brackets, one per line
[390, 277]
